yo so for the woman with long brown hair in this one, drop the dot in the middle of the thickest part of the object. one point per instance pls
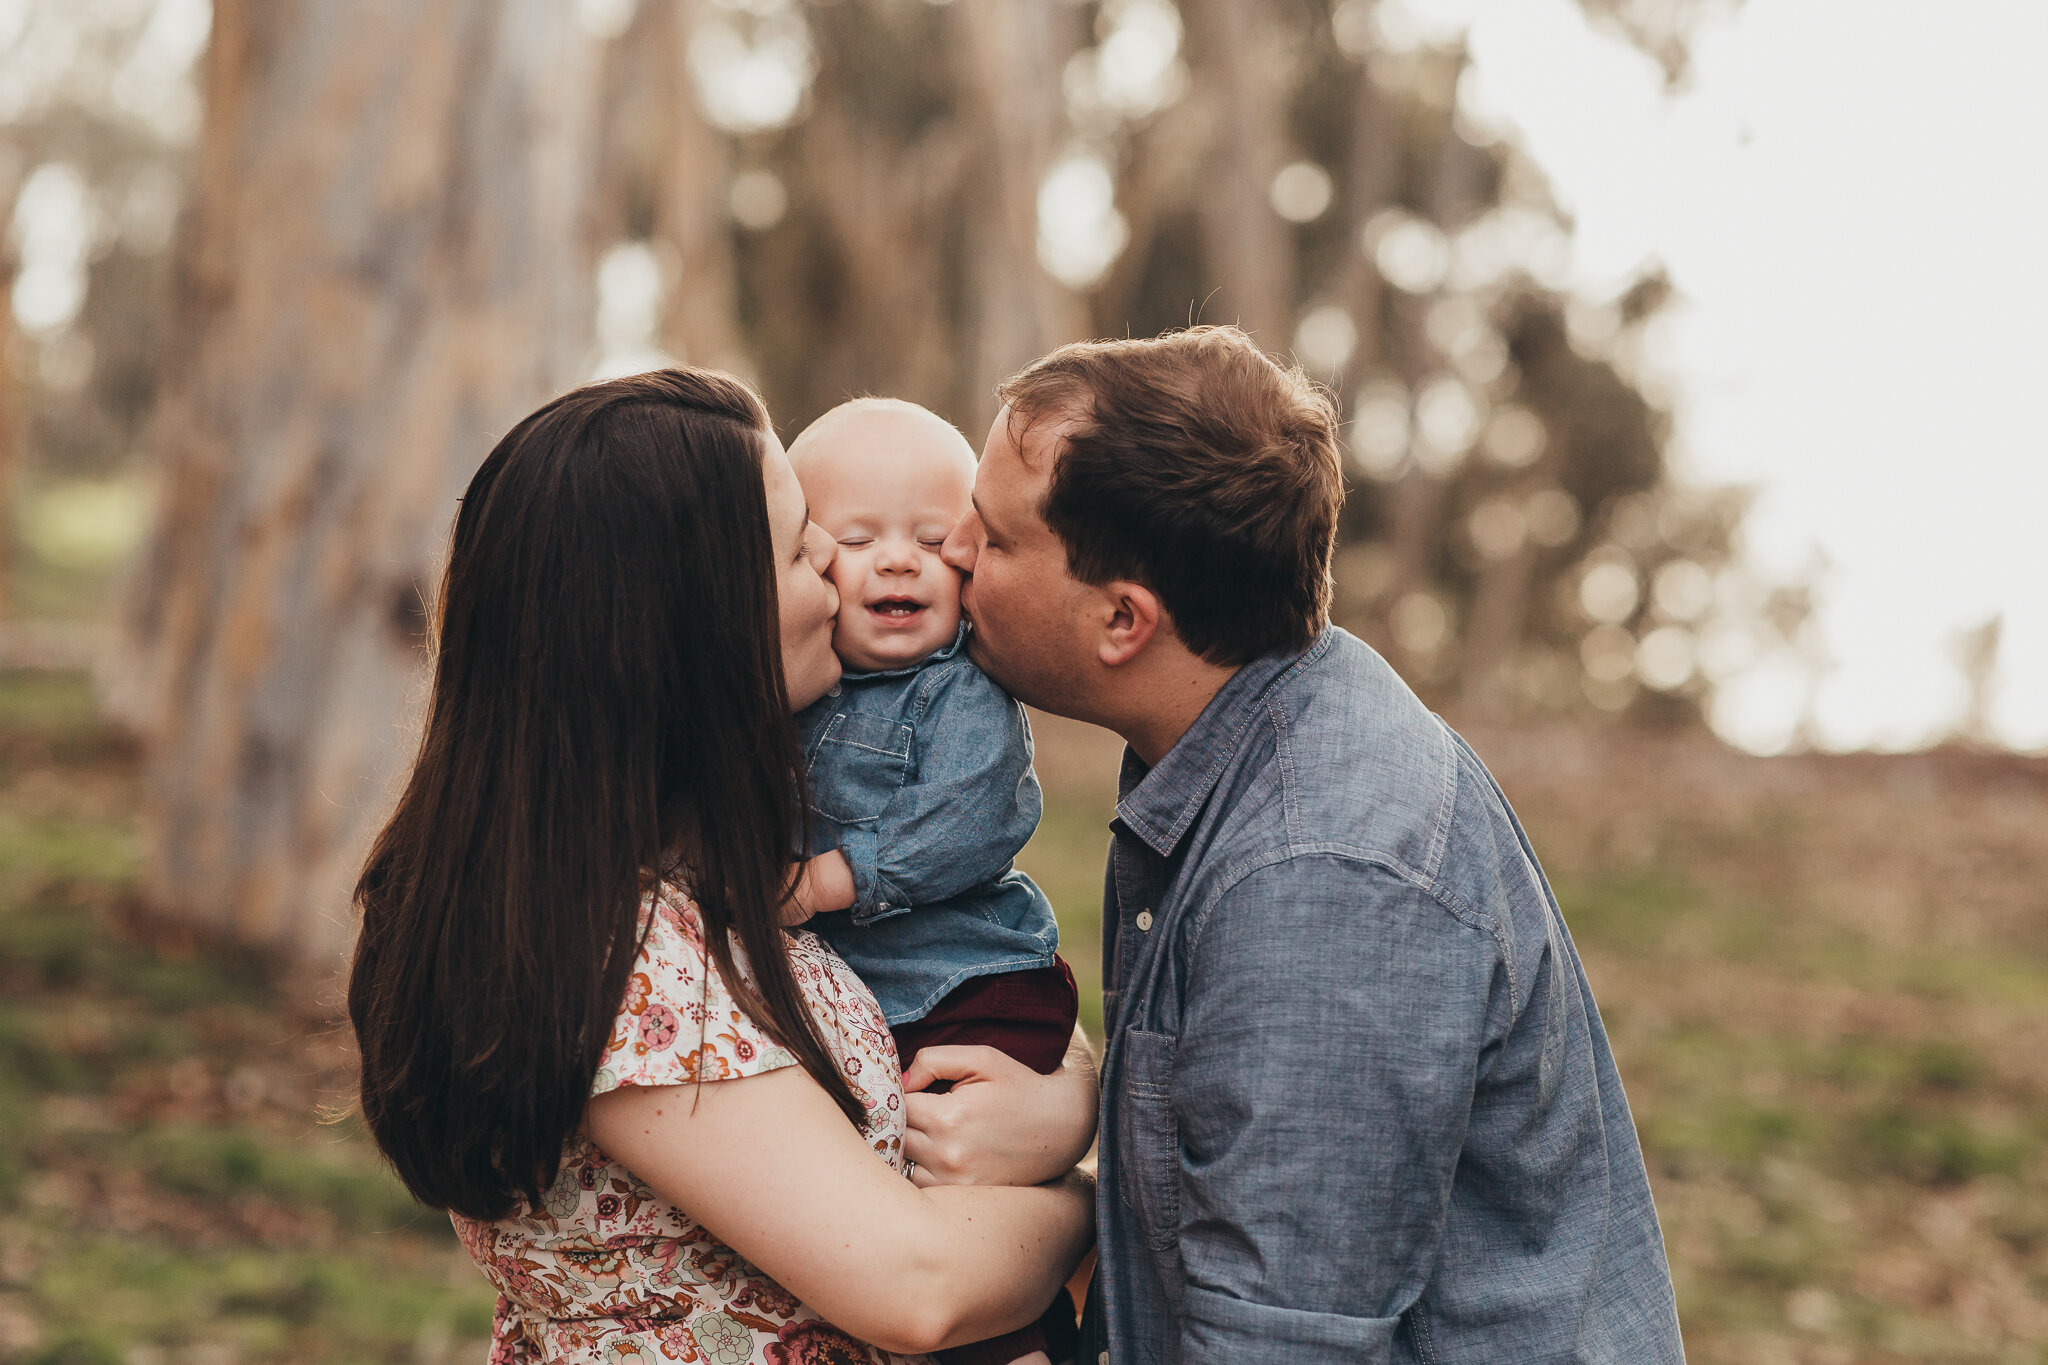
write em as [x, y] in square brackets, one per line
[665, 1128]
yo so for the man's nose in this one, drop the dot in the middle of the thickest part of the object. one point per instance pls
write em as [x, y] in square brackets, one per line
[958, 551]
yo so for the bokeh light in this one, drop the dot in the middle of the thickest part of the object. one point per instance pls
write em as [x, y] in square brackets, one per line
[1609, 591]
[1301, 192]
[757, 199]
[1409, 252]
[53, 231]
[749, 83]
[1080, 232]
[1380, 429]
[1325, 339]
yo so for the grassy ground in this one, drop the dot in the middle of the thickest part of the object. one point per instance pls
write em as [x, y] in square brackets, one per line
[172, 1188]
[1827, 982]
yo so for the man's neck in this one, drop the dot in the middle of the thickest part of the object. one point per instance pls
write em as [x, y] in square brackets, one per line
[1164, 702]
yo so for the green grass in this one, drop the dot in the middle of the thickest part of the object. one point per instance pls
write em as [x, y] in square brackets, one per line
[170, 1187]
[1066, 859]
[111, 1294]
[1845, 1121]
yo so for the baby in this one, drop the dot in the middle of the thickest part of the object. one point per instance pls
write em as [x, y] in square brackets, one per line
[919, 771]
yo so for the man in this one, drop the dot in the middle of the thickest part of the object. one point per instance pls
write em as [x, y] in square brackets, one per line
[1357, 1102]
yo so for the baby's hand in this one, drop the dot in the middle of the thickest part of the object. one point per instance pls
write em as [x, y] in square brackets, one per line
[826, 883]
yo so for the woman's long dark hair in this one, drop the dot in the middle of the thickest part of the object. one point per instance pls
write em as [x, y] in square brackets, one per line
[608, 708]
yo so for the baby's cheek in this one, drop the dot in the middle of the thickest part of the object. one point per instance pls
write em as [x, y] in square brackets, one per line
[847, 571]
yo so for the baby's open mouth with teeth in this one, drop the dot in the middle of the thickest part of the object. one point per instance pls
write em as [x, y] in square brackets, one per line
[897, 608]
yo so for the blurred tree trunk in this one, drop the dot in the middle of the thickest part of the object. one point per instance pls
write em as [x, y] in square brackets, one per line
[385, 266]
[866, 304]
[1242, 87]
[1014, 52]
[666, 176]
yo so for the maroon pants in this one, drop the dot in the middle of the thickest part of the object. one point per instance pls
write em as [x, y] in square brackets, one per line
[1028, 1015]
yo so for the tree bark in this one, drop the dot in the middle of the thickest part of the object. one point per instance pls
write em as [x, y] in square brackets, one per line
[385, 266]
[667, 175]
[1014, 52]
[1242, 90]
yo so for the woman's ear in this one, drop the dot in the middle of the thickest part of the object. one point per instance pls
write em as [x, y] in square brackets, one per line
[1134, 618]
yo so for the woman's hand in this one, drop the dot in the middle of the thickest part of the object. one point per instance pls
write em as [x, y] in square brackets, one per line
[1002, 1123]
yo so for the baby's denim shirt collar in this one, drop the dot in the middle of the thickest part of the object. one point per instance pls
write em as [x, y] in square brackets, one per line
[936, 656]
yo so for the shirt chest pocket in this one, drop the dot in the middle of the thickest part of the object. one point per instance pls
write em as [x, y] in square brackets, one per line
[861, 762]
[1148, 1175]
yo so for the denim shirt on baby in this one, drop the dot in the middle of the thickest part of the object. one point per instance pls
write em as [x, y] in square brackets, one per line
[922, 777]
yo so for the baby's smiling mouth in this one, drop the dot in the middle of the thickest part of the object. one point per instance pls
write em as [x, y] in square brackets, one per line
[896, 608]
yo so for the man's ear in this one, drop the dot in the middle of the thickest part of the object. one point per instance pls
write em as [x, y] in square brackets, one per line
[1134, 618]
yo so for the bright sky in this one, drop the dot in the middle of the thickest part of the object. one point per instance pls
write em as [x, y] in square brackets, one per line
[1850, 200]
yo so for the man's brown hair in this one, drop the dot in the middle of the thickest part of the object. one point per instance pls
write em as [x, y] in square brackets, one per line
[1200, 468]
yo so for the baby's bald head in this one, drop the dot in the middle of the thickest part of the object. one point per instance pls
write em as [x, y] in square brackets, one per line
[876, 435]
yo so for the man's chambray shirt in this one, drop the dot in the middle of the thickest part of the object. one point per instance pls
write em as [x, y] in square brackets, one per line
[1357, 1101]
[922, 777]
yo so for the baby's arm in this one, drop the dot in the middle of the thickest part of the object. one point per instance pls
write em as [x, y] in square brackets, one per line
[961, 819]
[822, 883]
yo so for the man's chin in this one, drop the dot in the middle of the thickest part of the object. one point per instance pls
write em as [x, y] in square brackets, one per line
[977, 652]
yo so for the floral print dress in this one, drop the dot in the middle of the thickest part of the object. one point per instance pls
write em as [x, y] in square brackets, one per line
[607, 1272]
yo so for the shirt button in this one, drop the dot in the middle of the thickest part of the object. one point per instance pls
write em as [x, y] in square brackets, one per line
[882, 909]
[1145, 921]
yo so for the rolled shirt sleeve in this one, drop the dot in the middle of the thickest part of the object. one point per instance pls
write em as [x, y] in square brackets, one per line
[1321, 1086]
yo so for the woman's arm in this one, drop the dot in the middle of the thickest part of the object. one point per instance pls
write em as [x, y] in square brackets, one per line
[771, 1167]
[1002, 1123]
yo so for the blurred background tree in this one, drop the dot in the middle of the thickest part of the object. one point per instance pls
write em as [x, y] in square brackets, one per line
[404, 227]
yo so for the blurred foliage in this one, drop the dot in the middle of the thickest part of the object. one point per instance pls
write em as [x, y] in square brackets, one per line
[901, 197]
[88, 94]
[1305, 170]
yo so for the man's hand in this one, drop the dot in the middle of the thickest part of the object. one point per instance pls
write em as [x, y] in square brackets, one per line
[1002, 1123]
[824, 883]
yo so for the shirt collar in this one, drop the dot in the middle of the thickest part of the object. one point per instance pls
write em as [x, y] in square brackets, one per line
[1159, 803]
[936, 656]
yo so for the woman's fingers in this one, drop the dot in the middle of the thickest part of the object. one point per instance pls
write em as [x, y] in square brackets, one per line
[1002, 1123]
[958, 1062]
[930, 1140]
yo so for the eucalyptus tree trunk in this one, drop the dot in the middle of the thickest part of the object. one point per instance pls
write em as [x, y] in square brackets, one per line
[385, 266]
[666, 174]
[1013, 52]
[1242, 89]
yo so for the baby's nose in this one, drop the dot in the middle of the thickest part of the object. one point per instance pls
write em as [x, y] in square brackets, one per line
[897, 557]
